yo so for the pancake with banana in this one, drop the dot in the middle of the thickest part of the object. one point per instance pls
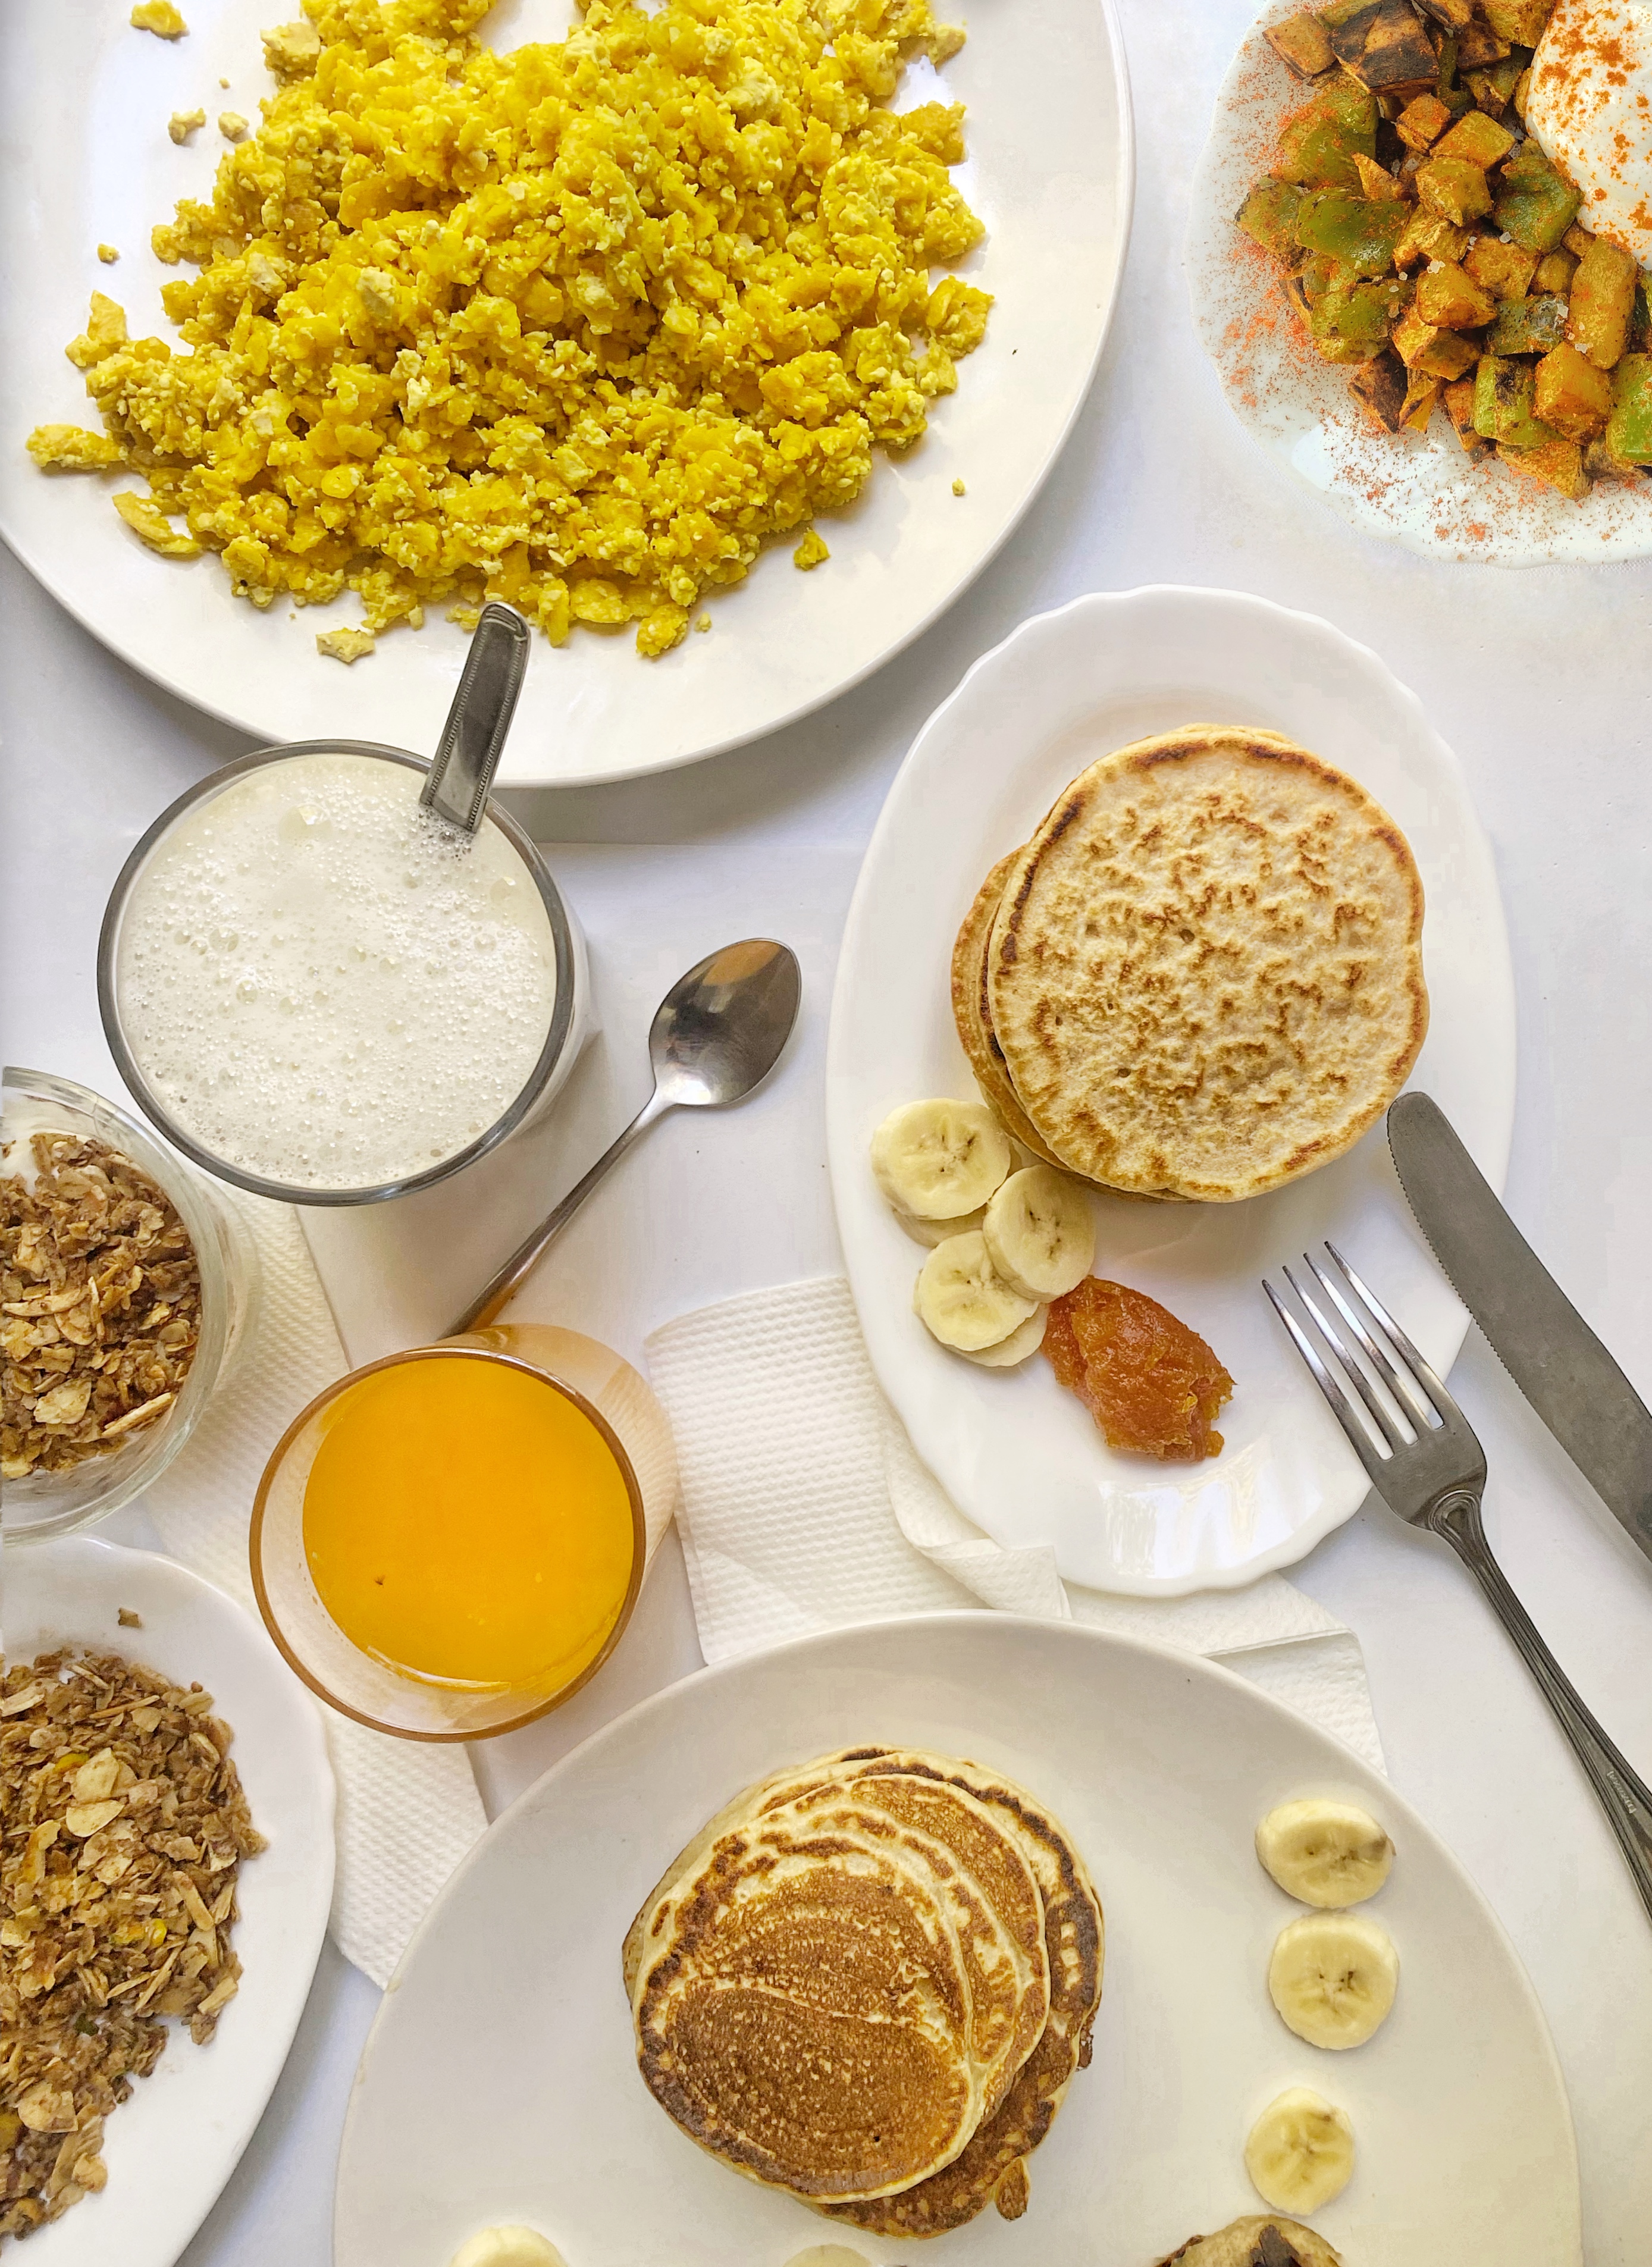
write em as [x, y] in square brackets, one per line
[1264, 2241]
[1205, 972]
[991, 2169]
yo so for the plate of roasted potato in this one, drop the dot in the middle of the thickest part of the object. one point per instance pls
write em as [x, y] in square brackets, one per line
[1411, 302]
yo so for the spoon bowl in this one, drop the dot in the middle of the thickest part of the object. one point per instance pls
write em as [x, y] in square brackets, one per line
[715, 1037]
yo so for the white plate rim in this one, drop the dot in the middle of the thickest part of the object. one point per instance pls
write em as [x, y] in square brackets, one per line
[980, 1623]
[147, 1574]
[844, 1162]
[514, 772]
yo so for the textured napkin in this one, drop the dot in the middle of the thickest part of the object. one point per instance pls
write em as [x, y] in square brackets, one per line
[407, 1812]
[804, 1507]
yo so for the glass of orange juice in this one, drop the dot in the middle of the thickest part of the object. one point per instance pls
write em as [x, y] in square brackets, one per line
[448, 1542]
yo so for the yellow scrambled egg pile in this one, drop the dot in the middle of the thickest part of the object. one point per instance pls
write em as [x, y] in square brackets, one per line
[575, 327]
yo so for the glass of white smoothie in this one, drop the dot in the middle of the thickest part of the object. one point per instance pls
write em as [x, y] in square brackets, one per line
[322, 990]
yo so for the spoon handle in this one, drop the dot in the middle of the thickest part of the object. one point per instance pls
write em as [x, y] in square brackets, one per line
[494, 1295]
[473, 737]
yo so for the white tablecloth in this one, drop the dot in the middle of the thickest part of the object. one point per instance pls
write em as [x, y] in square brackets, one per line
[1542, 682]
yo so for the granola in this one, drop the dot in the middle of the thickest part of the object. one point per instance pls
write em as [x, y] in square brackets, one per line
[100, 1305]
[124, 1826]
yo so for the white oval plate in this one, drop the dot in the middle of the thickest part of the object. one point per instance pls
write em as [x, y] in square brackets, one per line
[1419, 490]
[83, 142]
[498, 2083]
[1011, 1448]
[171, 2148]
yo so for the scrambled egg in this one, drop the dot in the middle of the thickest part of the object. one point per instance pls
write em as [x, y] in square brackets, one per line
[159, 17]
[576, 326]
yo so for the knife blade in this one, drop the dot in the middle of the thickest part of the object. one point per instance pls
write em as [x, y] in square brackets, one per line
[1544, 1343]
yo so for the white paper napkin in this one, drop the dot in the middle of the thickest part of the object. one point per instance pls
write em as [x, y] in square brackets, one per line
[804, 1507]
[407, 1813]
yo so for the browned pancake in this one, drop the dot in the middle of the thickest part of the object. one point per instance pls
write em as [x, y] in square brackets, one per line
[991, 2166]
[972, 1015]
[804, 2010]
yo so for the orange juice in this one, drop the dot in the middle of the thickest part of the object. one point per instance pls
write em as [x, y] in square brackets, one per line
[466, 1521]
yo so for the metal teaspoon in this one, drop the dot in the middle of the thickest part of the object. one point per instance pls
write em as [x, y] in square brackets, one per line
[715, 1036]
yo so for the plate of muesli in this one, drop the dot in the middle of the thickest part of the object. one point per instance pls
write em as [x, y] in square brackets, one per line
[1395, 282]
[164, 1892]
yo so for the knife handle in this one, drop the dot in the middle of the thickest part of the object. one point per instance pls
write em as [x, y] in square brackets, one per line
[1624, 1797]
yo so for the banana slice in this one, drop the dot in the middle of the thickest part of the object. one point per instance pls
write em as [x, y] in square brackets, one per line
[1326, 1853]
[1023, 1341]
[939, 1160]
[936, 1231]
[1040, 1232]
[1332, 1978]
[1300, 2153]
[962, 1302]
[507, 2247]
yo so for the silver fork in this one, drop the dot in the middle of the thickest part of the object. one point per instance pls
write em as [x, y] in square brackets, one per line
[1432, 1471]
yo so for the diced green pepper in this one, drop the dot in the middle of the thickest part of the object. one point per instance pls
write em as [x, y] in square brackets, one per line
[1572, 395]
[1503, 404]
[1478, 139]
[1362, 232]
[1528, 326]
[1351, 319]
[1455, 189]
[1629, 427]
[1318, 146]
[1603, 303]
[1538, 205]
[1268, 216]
[1640, 321]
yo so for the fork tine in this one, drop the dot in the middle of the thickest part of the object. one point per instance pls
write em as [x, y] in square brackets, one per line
[1380, 1418]
[1400, 1383]
[1341, 1408]
[1422, 1371]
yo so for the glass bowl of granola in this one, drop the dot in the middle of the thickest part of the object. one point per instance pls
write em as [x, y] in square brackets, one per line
[125, 1279]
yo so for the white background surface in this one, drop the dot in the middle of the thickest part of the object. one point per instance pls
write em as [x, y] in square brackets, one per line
[1542, 683]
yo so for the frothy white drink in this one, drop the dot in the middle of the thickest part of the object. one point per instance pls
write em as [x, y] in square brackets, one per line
[324, 985]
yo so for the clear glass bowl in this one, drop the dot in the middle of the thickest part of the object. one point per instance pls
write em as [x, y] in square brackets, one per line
[356, 1682]
[57, 1503]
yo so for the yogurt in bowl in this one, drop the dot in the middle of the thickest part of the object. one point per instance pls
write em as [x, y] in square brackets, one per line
[324, 992]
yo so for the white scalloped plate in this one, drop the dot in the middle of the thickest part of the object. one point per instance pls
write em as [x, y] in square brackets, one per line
[84, 102]
[171, 2148]
[1011, 1448]
[1420, 489]
[499, 2083]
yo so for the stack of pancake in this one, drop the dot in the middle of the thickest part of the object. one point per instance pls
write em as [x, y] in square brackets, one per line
[869, 1981]
[1203, 975]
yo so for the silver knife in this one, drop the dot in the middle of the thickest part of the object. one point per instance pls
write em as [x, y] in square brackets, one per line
[1544, 1343]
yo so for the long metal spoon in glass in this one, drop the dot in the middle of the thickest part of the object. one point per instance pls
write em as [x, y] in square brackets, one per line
[715, 1036]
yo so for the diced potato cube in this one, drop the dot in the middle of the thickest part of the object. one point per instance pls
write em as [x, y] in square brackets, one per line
[1555, 271]
[1559, 463]
[1448, 296]
[1538, 205]
[1360, 230]
[1303, 43]
[1503, 404]
[1382, 385]
[1428, 237]
[1450, 15]
[1424, 346]
[1629, 427]
[1571, 394]
[1420, 397]
[1268, 216]
[1577, 238]
[1602, 462]
[1455, 189]
[1528, 326]
[1479, 45]
[1460, 408]
[1603, 302]
[1478, 140]
[1376, 181]
[1503, 268]
[1522, 88]
[1422, 122]
[1380, 41]
[1523, 21]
